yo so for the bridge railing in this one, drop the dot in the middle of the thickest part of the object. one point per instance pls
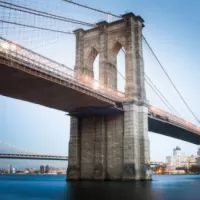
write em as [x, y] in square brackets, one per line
[174, 119]
[46, 65]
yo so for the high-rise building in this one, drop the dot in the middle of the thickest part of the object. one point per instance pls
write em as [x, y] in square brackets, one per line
[42, 169]
[47, 169]
[176, 151]
[13, 170]
[9, 169]
[178, 159]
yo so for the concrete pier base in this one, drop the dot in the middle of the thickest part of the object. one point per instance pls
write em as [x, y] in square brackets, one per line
[112, 147]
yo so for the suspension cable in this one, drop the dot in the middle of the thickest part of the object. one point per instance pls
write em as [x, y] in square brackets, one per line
[157, 92]
[43, 14]
[91, 8]
[37, 27]
[152, 85]
[162, 67]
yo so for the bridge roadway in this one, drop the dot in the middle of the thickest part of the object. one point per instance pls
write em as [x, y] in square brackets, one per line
[33, 157]
[31, 77]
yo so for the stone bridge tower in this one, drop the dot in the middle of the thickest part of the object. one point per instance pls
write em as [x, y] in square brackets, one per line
[112, 147]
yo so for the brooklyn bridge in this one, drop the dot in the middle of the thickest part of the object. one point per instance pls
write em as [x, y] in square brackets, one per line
[108, 128]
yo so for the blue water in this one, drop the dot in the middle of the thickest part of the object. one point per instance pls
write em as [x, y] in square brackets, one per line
[51, 187]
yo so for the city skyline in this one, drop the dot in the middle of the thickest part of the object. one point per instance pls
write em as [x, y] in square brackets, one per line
[41, 129]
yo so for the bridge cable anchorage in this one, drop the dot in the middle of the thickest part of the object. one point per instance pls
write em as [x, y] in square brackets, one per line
[174, 86]
[157, 91]
[43, 14]
[37, 27]
[93, 9]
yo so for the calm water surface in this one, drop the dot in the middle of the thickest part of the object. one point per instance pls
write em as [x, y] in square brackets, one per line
[51, 187]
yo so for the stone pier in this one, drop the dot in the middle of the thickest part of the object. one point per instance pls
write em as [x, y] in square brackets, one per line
[113, 145]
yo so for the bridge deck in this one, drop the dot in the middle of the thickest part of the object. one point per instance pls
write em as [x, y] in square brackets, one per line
[46, 90]
[167, 128]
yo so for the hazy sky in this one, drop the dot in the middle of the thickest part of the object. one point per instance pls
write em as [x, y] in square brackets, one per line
[171, 27]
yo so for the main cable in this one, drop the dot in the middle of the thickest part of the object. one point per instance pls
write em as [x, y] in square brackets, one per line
[152, 85]
[43, 14]
[157, 92]
[162, 67]
[37, 27]
[92, 8]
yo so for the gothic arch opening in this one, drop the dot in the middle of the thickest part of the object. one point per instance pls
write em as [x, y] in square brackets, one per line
[93, 63]
[118, 54]
[92, 55]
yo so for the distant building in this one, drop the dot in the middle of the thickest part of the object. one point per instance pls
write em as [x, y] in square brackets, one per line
[179, 160]
[176, 151]
[47, 169]
[198, 157]
[42, 169]
[9, 169]
[29, 170]
[198, 161]
[13, 170]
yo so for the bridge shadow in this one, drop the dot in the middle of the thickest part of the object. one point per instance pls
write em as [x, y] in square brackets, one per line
[109, 190]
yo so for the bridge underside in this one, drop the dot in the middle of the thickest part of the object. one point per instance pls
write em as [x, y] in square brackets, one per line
[26, 86]
[168, 129]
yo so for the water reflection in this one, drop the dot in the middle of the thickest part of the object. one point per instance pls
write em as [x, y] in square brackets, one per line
[161, 188]
[110, 190]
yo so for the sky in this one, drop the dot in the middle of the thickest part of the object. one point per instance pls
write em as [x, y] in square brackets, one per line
[171, 28]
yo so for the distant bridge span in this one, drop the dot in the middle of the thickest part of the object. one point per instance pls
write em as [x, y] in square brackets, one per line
[33, 157]
[46, 157]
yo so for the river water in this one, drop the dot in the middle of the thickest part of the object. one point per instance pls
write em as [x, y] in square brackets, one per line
[52, 187]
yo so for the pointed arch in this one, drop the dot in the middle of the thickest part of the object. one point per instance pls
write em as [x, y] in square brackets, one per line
[92, 63]
[118, 61]
[92, 55]
[116, 48]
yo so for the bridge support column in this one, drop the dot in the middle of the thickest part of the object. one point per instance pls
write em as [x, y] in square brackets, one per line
[74, 165]
[111, 147]
[136, 143]
[87, 152]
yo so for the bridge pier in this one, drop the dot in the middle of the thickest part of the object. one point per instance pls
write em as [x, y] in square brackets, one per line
[136, 143]
[110, 147]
